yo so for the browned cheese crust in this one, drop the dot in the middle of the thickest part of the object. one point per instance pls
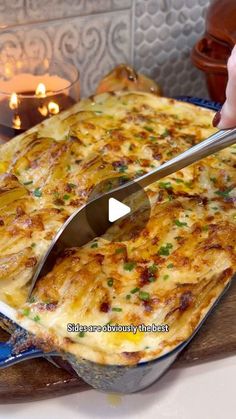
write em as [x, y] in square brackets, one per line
[170, 274]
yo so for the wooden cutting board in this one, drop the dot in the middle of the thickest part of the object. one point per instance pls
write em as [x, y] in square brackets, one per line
[38, 379]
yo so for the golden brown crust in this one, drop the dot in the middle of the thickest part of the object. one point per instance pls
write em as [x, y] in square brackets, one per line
[169, 275]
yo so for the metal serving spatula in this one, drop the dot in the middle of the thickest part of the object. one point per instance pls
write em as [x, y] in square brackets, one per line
[77, 231]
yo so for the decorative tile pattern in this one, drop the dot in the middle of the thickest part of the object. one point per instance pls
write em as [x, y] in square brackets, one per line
[25, 11]
[165, 32]
[95, 43]
[98, 34]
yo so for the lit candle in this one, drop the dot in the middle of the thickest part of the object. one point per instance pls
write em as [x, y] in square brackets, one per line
[16, 122]
[40, 90]
[13, 102]
[27, 99]
[53, 108]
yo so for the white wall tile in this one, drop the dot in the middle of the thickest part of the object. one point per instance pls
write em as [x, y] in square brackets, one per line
[165, 32]
[98, 34]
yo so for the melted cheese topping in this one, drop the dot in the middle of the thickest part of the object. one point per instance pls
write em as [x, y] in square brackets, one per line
[168, 275]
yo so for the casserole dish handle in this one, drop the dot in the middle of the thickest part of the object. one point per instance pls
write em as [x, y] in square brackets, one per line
[8, 355]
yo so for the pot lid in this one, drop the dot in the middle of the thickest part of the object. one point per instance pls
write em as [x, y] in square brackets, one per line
[221, 20]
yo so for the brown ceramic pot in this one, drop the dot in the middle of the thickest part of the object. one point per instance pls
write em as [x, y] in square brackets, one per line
[211, 53]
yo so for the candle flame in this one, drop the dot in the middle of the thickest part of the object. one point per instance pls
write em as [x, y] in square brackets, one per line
[40, 90]
[16, 122]
[53, 108]
[43, 110]
[13, 102]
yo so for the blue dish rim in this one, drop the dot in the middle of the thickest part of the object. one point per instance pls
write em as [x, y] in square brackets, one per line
[203, 103]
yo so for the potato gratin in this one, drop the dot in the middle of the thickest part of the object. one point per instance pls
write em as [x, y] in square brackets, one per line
[169, 275]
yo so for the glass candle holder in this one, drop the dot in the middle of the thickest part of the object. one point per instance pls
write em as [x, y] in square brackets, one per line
[31, 92]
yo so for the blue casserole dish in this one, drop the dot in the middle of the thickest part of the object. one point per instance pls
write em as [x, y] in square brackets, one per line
[109, 378]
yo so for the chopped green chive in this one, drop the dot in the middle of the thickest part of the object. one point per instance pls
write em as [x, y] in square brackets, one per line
[28, 183]
[94, 245]
[66, 197]
[165, 250]
[72, 185]
[116, 309]
[165, 185]
[179, 223]
[110, 282]
[122, 168]
[134, 290]
[128, 296]
[33, 245]
[37, 193]
[129, 266]
[165, 277]
[26, 311]
[165, 133]
[150, 129]
[152, 269]
[36, 318]
[170, 266]
[144, 295]
[81, 334]
[224, 194]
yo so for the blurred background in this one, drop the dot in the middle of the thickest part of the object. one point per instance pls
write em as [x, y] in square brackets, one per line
[155, 36]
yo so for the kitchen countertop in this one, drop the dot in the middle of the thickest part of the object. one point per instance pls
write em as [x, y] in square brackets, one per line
[205, 391]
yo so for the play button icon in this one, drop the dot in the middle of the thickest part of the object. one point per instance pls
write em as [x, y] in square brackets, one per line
[120, 213]
[117, 210]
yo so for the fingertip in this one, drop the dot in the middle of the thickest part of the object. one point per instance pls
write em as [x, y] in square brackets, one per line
[226, 122]
[216, 120]
[225, 118]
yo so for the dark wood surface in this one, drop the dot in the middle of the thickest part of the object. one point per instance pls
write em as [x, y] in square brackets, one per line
[38, 379]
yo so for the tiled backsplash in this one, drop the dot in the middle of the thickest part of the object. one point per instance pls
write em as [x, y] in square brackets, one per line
[154, 35]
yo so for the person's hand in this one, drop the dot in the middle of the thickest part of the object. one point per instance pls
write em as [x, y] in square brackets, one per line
[226, 118]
